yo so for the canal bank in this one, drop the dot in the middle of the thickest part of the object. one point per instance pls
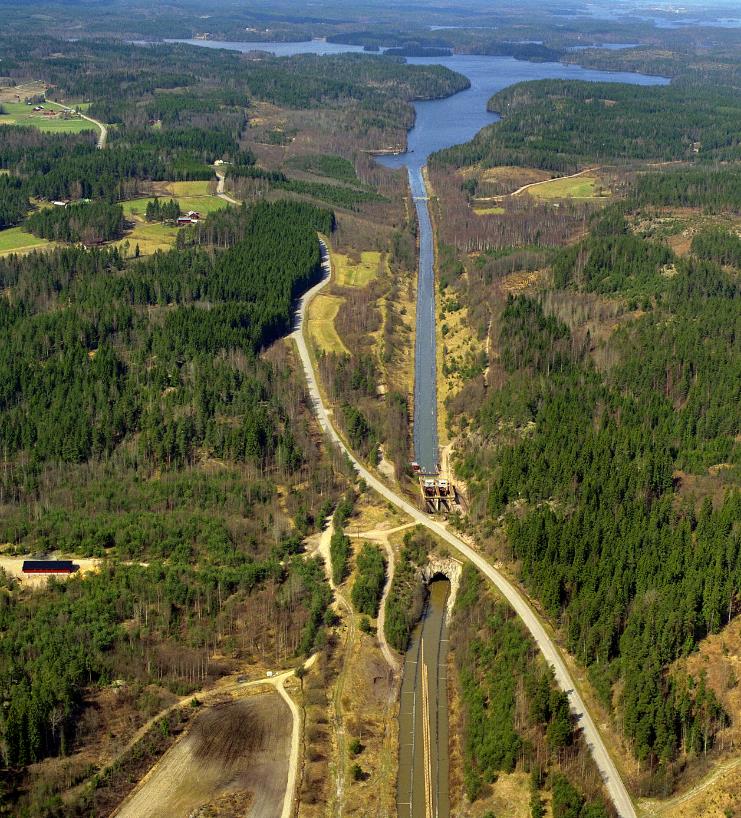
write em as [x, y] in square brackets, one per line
[425, 429]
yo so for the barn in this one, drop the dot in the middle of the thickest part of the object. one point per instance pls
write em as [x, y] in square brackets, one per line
[49, 567]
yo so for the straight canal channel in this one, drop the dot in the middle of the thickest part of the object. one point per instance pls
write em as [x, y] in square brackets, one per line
[440, 123]
[423, 714]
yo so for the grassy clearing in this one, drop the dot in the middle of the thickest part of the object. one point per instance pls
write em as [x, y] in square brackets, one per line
[150, 238]
[137, 208]
[154, 236]
[579, 187]
[322, 313]
[15, 239]
[488, 211]
[185, 189]
[350, 273]
[32, 88]
[18, 113]
[514, 177]
[327, 166]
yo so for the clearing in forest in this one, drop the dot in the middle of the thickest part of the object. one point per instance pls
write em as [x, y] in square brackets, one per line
[14, 240]
[514, 177]
[202, 202]
[322, 314]
[235, 755]
[153, 236]
[150, 237]
[52, 118]
[488, 211]
[13, 566]
[350, 273]
[575, 187]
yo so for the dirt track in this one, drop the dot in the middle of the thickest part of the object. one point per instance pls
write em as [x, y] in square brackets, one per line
[240, 749]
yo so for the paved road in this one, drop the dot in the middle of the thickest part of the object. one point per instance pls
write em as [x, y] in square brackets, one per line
[613, 782]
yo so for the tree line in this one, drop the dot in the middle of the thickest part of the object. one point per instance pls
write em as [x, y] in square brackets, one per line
[86, 222]
[514, 717]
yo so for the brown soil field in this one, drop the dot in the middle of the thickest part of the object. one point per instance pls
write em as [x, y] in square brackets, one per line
[234, 754]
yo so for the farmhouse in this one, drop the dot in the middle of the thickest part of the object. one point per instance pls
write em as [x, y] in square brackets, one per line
[193, 217]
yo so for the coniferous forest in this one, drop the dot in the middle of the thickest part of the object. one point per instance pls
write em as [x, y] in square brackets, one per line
[150, 363]
[601, 439]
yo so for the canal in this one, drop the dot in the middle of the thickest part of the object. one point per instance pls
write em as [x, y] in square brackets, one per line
[423, 714]
[439, 124]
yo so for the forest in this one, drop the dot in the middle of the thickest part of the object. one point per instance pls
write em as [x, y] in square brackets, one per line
[151, 419]
[600, 467]
[514, 717]
[406, 599]
[14, 203]
[86, 223]
[126, 388]
[127, 84]
[368, 586]
[562, 125]
[46, 669]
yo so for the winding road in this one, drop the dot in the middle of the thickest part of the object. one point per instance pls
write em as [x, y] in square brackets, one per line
[103, 129]
[609, 772]
[221, 184]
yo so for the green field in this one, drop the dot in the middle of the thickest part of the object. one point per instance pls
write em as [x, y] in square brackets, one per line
[15, 239]
[578, 187]
[322, 313]
[150, 236]
[185, 189]
[349, 273]
[202, 203]
[18, 113]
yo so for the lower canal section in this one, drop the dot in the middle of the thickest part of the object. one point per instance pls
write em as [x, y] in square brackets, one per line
[423, 715]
